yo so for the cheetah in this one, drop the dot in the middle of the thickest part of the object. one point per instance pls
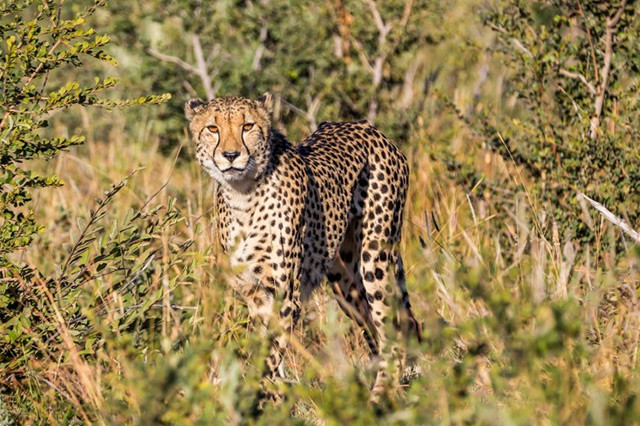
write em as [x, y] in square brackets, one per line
[332, 207]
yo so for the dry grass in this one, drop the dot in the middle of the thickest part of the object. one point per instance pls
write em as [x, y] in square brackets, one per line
[517, 325]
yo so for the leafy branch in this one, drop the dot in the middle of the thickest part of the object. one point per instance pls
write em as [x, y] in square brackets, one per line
[36, 41]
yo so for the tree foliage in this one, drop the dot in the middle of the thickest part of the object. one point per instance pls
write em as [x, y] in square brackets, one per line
[323, 60]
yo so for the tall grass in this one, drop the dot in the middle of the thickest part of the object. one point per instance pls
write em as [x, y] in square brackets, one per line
[131, 319]
[519, 329]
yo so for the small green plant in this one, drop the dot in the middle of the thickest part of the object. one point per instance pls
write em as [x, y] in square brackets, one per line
[38, 41]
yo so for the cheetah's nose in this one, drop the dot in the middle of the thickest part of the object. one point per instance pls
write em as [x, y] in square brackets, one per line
[231, 155]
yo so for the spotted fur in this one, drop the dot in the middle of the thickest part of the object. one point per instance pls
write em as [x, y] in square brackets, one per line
[329, 207]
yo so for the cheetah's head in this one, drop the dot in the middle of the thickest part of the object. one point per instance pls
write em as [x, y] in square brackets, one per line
[232, 137]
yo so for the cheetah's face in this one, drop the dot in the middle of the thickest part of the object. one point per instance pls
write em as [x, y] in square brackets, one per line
[231, 136]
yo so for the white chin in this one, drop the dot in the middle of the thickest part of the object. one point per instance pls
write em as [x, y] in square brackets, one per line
[233, 175]
[232, 178]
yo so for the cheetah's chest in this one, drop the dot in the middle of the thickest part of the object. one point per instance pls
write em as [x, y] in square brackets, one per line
[236, 225]
[261, 230]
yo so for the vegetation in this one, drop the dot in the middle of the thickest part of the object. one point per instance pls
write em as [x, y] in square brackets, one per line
[576, 73]
[39, 40]
[114, 306]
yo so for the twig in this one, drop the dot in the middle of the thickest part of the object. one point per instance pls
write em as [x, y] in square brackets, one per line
[362, 54]
[292, 107]
[383, 48]
[591, 46]
[93, 218]
[166, 182]
[406, 13]
[257, 56]
[521, 47]
[383, 29]
[155, 305]
[407, 92]
[612, 218]
[576, 107]
[200, 69]
[172, 60]
[189, 88]
[139, 272]
[57, 389]
[613, 21]
[582, 78]
[378, 62]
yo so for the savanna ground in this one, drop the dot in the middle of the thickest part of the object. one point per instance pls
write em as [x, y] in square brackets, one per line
[506, 111]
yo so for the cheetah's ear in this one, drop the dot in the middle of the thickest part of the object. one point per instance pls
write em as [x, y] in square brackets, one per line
[192, 107]
[266, 101]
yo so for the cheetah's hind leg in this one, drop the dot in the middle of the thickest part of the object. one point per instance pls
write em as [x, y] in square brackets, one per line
[407, 322]
[346, 283]
[380, 266]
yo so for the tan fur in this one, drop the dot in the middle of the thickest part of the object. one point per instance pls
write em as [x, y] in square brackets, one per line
[330, 207]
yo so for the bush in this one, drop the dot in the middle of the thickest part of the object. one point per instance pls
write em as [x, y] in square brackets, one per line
[39, 43]
[576, 75]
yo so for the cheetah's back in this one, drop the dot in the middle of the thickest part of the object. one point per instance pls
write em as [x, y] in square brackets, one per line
[349, 165]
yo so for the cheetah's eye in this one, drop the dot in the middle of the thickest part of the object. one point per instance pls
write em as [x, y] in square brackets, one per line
[212, 129]
[247, 127]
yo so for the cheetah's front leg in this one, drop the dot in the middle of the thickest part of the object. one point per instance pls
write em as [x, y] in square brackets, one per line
[263, 300]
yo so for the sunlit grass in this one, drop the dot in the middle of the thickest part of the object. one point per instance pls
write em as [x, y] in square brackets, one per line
[517, 326]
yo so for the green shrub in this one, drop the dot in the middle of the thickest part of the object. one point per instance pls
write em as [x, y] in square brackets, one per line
[38, 43]
[575, 71]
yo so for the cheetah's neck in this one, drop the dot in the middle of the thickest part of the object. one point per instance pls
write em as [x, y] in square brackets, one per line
[238, 201]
